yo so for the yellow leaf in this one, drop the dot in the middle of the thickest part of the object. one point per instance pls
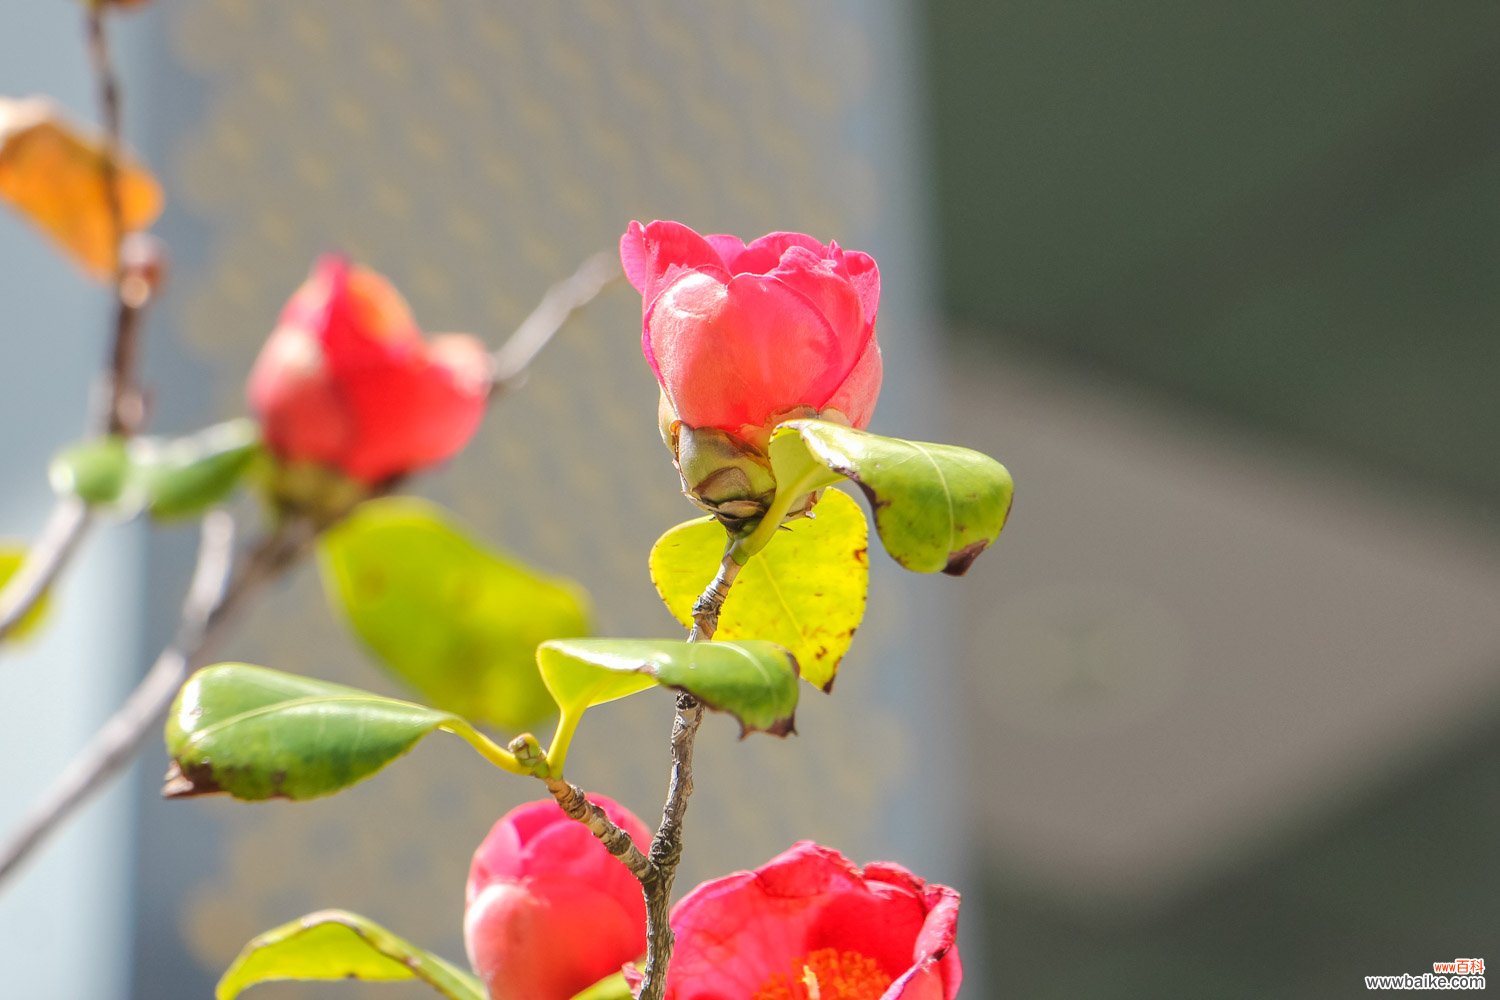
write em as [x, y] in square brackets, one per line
[12, 555]
[53, 175]
[805, 590]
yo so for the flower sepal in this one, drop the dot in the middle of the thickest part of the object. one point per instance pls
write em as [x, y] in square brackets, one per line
[320, 493]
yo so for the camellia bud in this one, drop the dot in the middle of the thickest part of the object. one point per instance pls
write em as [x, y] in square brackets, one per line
[741, 337]
[549, 911]
[347, 387]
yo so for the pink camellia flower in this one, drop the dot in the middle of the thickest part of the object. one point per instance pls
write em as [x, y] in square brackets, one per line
[738, 335]
[810, 925]
[548, 911]
[346, 380]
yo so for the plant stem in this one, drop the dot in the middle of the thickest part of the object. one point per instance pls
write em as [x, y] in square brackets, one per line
[615, 840]
[122, 410]
[558, 304]
[207, 612]
[65, 528]
[666, 846]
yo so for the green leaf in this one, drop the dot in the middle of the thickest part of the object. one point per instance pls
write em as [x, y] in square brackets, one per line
[936, 506]
[182, 477]
[611, 987]
[805, 592]
[12, 556]
[334, 944]
[257, 734]
[754, 681]
[96, 471]
[457, 622]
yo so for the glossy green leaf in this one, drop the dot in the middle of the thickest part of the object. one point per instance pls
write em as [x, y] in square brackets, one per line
[456, 621]
[805, 591]
[334, 944]
[754, 681]
[96, 472]
[936, 506]
[255, 733]
[182, 477]
[12, 555]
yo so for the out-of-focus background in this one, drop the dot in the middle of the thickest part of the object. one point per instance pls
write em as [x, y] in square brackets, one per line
[1218, 282]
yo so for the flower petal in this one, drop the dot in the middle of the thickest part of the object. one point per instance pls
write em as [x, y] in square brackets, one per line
[729, 248]
[736, 933]
[762, 256]
[412, 411]
[832, 295]
[303, 415]
[864, 275]
[856, 397]
[569, 932]
[735, 354]
[651, 253]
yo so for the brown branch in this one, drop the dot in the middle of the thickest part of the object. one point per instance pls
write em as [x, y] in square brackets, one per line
[121, 408]
[207, 612]
[615, 840]
[666, 846]
[558, 304]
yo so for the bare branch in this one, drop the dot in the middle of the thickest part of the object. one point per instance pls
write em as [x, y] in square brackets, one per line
[666, 846]
[207, 611]
[558, 304]
[121, 408]
[615, 840]
[65, 528]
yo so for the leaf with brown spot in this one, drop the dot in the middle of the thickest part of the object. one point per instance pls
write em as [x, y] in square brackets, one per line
[936, 506]
[255, 734]
[805, 590]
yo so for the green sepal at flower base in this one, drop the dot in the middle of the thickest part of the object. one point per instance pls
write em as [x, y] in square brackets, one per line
[754, 681]
[254, 733]
[806, 592]
[337, 945]
[936, 506]
[456, 621]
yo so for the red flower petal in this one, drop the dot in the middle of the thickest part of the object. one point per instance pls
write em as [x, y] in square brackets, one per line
[864, 275]
[412, 412]
[650, 253]
[855, 398]
[762, 255]
[735, 354]
[735, 934]
[549, 911]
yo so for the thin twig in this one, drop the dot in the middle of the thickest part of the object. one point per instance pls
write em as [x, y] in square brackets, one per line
[65, 528]
[615, 840]
[206, 614]
[666, 846]
[559, 303]
[121, 409]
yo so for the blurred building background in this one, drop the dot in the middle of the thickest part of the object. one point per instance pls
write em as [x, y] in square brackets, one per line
[1217, 281]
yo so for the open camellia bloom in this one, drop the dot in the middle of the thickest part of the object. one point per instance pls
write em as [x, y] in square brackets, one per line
[549, 912]
[810, 925]
[346, 380]
[738, 334]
